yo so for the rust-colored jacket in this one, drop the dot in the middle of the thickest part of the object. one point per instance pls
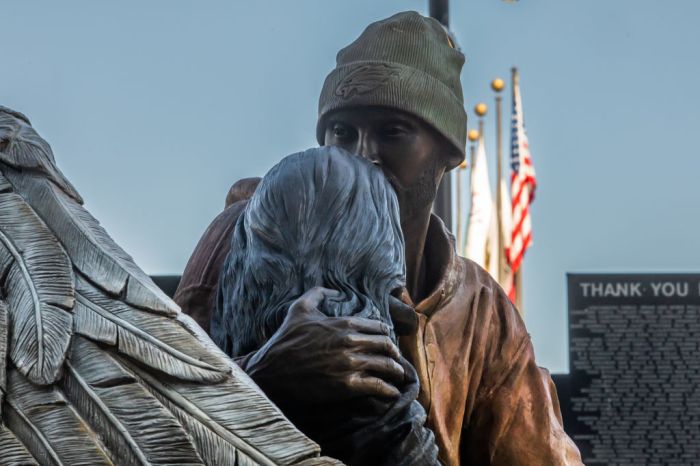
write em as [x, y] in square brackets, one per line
[486, 399]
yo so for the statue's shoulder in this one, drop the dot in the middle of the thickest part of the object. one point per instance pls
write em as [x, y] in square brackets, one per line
[242, 190]
[197, 289]
[475, 279]
[482, 294]
[212, 246]
[218, 233]
[216, 238]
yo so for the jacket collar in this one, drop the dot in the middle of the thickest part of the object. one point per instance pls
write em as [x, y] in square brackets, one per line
[441, 259]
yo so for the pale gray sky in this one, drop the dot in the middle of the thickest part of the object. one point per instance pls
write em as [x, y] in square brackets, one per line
[154, 108]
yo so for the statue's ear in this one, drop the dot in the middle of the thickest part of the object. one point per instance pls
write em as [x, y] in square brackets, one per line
[242, 190]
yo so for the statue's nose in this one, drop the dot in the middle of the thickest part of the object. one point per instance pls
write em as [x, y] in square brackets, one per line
[367, 148]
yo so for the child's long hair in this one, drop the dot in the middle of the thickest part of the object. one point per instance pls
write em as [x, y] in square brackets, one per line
[322, 217]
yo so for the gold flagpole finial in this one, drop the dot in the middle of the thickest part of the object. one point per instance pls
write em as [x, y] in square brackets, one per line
[480, 109]
[498, 84]
[473, 135]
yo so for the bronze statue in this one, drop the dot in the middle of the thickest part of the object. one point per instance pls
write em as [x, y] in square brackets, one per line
[319, 219]
[97, 365]
[395, 99]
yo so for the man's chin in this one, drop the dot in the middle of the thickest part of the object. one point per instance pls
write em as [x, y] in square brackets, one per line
[417, 198]
[415, 204]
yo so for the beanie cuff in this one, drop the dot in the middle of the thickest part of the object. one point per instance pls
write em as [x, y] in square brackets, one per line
[394, 85]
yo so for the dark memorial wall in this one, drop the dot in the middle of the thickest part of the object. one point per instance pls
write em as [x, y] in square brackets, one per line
[634, 387]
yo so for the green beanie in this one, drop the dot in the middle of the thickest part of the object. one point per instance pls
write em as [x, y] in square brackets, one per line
[406, 62]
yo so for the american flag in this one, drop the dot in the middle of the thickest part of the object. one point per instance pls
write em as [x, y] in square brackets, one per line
[523, 185]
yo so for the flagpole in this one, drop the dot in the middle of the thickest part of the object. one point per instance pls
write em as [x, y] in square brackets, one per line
[442, 205]
[473, 136]
[480, 109]
[462, 168]
[498, 85]
[519, 274]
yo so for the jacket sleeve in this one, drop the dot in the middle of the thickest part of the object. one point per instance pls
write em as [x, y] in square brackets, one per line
[516, 419]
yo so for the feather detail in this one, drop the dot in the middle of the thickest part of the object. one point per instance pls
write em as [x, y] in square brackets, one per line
[136, 428]
[38, 280]
[13, 453]
[232, 416]
[49, 427]
[159, 342]
[321, 461]
[3, 350]
[5, 185]
[89, 246]
[21, 147]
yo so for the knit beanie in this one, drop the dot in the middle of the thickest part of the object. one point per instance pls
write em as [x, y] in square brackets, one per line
[406, 62]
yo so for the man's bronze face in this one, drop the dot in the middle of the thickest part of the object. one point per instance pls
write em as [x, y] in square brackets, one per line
[406, 148]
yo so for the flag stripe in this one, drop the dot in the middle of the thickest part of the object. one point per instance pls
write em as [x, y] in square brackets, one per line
[523, 184]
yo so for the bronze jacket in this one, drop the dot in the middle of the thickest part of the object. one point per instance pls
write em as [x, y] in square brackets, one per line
[487, 401]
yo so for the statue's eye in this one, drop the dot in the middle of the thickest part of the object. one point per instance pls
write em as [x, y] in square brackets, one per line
[394, 131]
[340, 131]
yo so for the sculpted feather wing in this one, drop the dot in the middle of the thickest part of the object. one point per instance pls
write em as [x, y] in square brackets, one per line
[35, 176]
[39, 289]
[49, 427]
[14, 453]
[135, 426]
[159, 342]
[89, 246]
[4, 324]
[97, 365]
[256, 430]
[25, 149]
